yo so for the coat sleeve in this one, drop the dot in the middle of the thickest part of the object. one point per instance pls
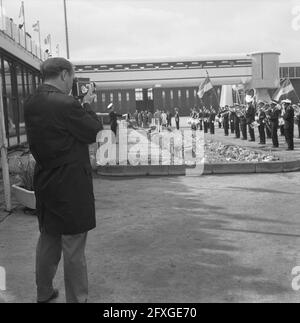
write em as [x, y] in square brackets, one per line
[82, 122]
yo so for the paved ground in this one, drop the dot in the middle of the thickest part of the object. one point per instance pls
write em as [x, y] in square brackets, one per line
[179, 239]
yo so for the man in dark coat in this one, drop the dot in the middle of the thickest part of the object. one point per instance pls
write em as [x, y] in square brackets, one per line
[231, 120]
[297, 118]
[237, 122]
[59, 130]
[243, 123]
[262, 123]
[177, 118]
[226, 121]
[288, 118]
[211, 121]
[274, 115]
[250, 117]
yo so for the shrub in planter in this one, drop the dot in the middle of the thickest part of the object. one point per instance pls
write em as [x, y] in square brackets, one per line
[23, 190]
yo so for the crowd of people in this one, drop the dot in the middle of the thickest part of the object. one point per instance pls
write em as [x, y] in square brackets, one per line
[160, 119]
[243, 120]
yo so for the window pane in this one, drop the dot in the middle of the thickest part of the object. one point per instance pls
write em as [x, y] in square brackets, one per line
[291, 72]
[139, 94]
[285, 71]
[297, 71]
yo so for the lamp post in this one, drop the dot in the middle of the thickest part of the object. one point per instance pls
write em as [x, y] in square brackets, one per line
[67, 32]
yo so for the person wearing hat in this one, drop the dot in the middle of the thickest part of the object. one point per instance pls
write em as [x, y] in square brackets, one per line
[211, 120]
[231, 119]
[250, 117]
[225, 115]
[113, 118]
[243, 123]
[237, 122]
[297, 118]
[288, 117]
[262, 123]
[273, 117]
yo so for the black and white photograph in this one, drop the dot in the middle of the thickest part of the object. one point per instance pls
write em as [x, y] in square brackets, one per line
[150, 154]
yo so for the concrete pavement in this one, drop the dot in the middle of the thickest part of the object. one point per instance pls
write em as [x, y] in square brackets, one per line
[180, 239]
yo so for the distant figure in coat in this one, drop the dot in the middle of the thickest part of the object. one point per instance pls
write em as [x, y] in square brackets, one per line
[177, 118]
[288, 117]
[113, 116]
[59, 130]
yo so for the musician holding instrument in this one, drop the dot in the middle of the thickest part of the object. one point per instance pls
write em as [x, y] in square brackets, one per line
[231, 119]
[250, 118]
[225, 116]
[237, 121]
[261, 121]
[273, 117]
[243, 122]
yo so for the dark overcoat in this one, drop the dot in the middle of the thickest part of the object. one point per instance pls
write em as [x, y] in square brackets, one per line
[59, 131]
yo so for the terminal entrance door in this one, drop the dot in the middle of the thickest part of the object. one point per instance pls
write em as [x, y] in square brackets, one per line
[144, 99]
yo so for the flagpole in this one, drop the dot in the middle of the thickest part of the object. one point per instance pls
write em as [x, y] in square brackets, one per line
[40, 38]
[23, 11]
[50, 43]
[2, 15]
[66, 28]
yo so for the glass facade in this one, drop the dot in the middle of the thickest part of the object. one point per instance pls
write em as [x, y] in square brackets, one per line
[18, 81]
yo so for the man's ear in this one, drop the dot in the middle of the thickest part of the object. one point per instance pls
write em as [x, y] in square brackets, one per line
[63, 75]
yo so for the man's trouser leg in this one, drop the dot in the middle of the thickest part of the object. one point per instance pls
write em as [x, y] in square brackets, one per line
[75, 268]
[48, 255]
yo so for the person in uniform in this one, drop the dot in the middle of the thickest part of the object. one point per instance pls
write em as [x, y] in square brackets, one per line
[140, 119]
[288, 117]
[59, 130]
[225, 115]
[250, 118]
[150, 118]
[273, 117]
[205, 120]
[231, 119]
[211, 121]
[177, 118]
[200, 117]
[262, 125]
[297, 118]
[243, 123]
[237, 123]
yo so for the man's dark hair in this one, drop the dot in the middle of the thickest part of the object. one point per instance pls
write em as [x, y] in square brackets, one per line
[52, 67]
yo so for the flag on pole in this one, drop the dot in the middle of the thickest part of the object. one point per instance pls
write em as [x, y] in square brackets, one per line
[285, 91]
[21, 13]
[47, 40]
[206, 86]
[36, 26]
[22, 16]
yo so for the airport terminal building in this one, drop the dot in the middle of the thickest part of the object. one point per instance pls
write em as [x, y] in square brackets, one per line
[162, 83]
[166, 83]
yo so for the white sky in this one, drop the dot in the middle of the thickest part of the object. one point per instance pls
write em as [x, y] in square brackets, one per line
[114, 29]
